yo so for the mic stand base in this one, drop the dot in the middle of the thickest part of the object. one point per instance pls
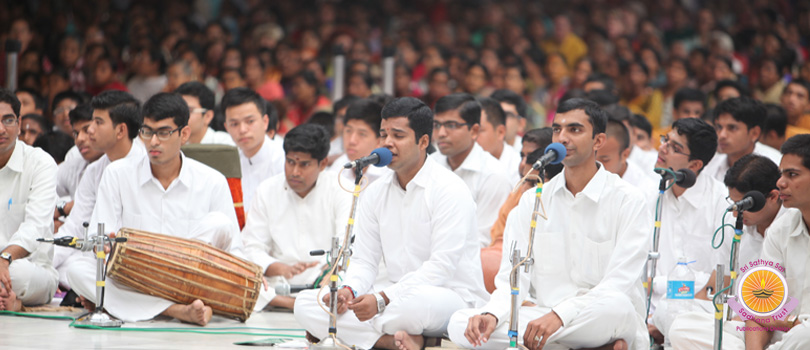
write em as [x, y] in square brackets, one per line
[330, 343]
[98, 318]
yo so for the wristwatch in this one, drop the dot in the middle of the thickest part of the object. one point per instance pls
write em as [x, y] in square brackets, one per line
[380, 302]
[61, 208]
[6, 256]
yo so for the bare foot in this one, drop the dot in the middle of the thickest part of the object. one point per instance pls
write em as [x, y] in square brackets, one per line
[10, 302]
[87, 304]
[405, 341]
[196, 312]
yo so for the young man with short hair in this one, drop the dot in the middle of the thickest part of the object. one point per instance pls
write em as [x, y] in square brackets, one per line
[153, 194]
[492, 137]
[247, 121]
[587, 254]
[456, 126]
[739, 123]
[420, 220]
[296, 213]
[28, 191]
[200, 100]
[361, 135]
[614, 156]
[516, 111]
[796, 101]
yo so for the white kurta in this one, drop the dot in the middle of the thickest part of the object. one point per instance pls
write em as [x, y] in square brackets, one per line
[425, 233]
[28, 191]
[644, 159]
[283, 227]
[718, 166]
[69, 174]
[196, 205]
[216, 138]
[488, 183]
[587, 260]
[518, 144]
[371, 172]
[646, 181]
[83, 204]
[510, 161]
[268, 161]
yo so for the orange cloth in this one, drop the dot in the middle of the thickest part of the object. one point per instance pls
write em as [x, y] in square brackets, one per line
[572, 47]
[804, 121]
[650, 105]
[795, 130]
[491, 256]
[235, 185]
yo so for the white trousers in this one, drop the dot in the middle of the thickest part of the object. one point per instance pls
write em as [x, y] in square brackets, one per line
[128, 304]
[610, 318]
[33, 284]
[63, 258]
[695, 331]
[423, 311]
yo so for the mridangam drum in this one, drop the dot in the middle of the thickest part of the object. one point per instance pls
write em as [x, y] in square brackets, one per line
[183, 270]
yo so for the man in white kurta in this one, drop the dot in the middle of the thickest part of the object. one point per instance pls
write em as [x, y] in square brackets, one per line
[361, 135]
[195, 203]
[28, 194]
[719, 165]
[295, 213]
[200, 100]
[421, 221]
[587, 255]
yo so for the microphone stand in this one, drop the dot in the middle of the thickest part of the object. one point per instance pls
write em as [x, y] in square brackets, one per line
[729, 294]
[652, 256]
[339, 255]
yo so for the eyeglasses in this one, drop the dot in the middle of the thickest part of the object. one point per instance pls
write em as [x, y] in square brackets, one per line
[9, 120]
[199, 110]
[448, 125]
[672, 146]
[163, 134]
[61, 110]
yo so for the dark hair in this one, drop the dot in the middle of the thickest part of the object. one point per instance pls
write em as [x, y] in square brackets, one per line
[468, 107]
[540, 136]
[272, 116]
[780, 66]
[617, 112]
[324, 119]
[106, 56]
[344, 102]
[155, 55]
[438, 70]
[743, 109]
[240, 96]
[309, 138]
[309, 78]
[607, 81]
[224, 70]
[39, 119]
[700, 138]
[55, 143]
[7, 97]
[722, 84]
[510, 97]
[804, 84]
[775, 119]
[618, 131]
[166, 105]
[688, 94]
[752, 173]
[479, 65]
[420, 117]
[641, 122]
[198, 90]
[39, 101]
[596, 116]
[602, 97]
[364, 76]
[367, 111]
[122, 107]
[495, 114]
[82, 113]
[573, 93]
[381, 98]
[67, 95]
[798, 145]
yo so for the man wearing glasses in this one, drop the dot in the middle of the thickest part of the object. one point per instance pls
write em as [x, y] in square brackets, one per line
[455, 128]
[167, 193]
[111, 129]
[689, 216]
[28, 195]
[200, 100]
[247, 121]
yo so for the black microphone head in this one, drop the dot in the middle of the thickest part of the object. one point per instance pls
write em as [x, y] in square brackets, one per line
[758, 198]
[689, 178]
[13, 46]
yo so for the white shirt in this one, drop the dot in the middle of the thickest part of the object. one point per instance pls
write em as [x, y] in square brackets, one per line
[518, 144]
[750, 244]
[217, 138]
[718, 166]
[85, 199]
[130, 196]
[371, 172]
[510, 160]
[69, 174]
[592, 242]
[787, 244]
[644, 180]
[28, 195]
[336, 146]
[143, 88]
[268, 161]
[487, 182]
[644, 159]
[283, 227]
[688, 223]
[424, 233]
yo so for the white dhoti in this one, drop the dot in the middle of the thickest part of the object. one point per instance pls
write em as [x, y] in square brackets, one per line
[33, 284]
[695, 330]
[797, 338]
[606, 320]
[63, 258]
[424, 311]
[664, 315]
[128, 304]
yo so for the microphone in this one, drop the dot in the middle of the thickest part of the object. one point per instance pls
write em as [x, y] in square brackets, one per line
[685, 178]
[554, 154]
[379, 157]
[753, 201]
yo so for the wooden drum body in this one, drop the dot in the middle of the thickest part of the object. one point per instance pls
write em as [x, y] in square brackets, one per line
[183, 270]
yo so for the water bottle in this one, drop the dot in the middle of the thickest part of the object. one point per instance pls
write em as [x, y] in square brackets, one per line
[680, 292]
